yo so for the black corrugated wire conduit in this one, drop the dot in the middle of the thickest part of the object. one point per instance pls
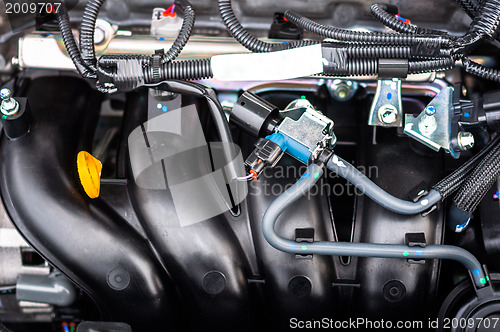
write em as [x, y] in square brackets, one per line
[249, 41]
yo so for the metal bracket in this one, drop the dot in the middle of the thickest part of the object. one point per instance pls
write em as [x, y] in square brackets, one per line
[387, 109]
[433, 126]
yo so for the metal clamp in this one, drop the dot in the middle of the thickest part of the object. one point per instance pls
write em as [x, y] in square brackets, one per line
[321, 147]
[387, 109]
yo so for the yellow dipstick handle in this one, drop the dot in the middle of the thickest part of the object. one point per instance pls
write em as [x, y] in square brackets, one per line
[89, 171]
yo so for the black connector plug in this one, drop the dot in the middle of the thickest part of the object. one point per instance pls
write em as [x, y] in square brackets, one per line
[266, 153]
[283, 29]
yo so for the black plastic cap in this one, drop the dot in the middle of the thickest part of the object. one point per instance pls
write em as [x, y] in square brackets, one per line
[254, 115]
[18, 124]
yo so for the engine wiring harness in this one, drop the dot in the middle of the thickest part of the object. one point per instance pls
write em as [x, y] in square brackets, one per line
[409, 50]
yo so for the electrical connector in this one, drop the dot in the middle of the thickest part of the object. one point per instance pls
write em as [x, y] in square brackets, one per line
[266, 153]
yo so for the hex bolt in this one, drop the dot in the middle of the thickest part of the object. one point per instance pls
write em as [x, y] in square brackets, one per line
[342, 90]
[388, 114]
[465, 140]
[99, 36]
[9, 105]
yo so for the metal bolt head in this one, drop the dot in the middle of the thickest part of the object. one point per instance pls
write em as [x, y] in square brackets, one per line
[388, 114]
[99, 36]
[430, 110]
[342, 90]
[5, 93]
[465, 140]
[9, 105]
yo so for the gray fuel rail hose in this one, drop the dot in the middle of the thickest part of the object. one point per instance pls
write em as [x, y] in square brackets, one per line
[377, 194]
[305, 183]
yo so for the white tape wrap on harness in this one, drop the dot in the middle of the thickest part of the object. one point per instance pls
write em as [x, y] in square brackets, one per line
[279, 65]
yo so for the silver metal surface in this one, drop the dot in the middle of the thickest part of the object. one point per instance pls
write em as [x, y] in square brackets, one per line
[387, 108]
[408, 88]
[46, 51]
[11, 245]
[432, 127]
[310, 128]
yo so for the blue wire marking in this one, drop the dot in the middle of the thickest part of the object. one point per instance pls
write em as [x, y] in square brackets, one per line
[66, 328]
[402, 19]
[460, 228]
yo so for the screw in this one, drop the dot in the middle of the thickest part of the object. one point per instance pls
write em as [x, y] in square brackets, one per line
[465, 140]
[9, 105]
[5, 94]
[430, 110]
[387, 114]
